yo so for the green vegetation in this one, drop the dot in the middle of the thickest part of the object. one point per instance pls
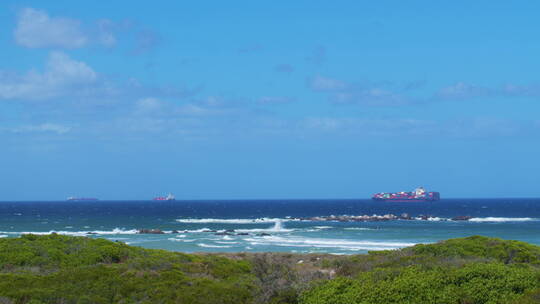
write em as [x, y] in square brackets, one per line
[62, 269]
[468, 270]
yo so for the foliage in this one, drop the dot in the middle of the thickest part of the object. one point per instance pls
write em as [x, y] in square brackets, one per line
[62, 269]
[468, 270]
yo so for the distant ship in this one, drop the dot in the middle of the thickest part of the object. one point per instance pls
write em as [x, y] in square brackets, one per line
[418, 195]
[169, 197]
[72, 198]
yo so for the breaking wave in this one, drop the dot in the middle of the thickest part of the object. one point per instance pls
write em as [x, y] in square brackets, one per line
[181, 240]
[327, 243]
[278, 227]
[233, 221]
[502, 219]
[115, 231]
[212, 246]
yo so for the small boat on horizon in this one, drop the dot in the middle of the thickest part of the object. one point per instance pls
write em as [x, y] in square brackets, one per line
[169, 197]
[73, 198]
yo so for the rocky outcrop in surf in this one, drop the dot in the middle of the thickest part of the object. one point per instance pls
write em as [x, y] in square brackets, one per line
[151, 231]
[368, 218]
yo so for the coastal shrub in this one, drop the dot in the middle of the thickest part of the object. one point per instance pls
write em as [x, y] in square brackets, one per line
[473, 283]
[481, 247]
[62, 269]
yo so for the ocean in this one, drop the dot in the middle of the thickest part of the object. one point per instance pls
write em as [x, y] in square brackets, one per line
[273, 225]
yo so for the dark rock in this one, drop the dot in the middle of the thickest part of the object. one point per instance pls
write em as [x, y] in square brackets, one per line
[263, 234]
[175, 231]
[210, 231]
[90, 232]
[462, 218]
[242, 233]
[229, 230]
[405, 216]
[151, 231]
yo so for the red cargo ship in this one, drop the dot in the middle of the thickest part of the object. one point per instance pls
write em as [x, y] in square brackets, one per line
[418, 195]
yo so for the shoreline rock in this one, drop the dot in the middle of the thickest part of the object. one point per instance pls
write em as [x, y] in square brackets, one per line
[151, 231]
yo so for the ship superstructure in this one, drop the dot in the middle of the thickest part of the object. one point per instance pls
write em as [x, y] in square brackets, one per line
[418, 195]
[169, 197]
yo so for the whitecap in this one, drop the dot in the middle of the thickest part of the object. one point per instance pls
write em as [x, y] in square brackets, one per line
[212, 246]
[278, 227]
[432, 219]
[327, 243]
[502, 219]
[181, 240]
[3, 236]
[79, 233]
[233, 221]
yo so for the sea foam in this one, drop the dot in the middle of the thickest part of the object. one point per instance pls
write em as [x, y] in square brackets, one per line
[502, 219]
[327, 243]
[115, 231]
[212, 246]
[233, 221]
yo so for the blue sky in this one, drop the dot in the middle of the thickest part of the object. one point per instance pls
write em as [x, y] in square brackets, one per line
[245, 99]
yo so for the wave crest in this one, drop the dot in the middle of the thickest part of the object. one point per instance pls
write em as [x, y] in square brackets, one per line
[233, 221]
[502, 219]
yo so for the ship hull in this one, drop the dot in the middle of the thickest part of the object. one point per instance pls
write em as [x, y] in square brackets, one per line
[404, 200]
[419, 195]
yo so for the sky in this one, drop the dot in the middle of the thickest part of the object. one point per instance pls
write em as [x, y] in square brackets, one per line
[268, 99]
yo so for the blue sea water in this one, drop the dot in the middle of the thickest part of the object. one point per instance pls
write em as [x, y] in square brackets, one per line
[517, 219]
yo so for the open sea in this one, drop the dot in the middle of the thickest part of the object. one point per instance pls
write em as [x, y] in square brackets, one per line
[199, 221]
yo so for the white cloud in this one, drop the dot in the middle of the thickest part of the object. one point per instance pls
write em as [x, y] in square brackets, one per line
[36, 29]
[62, 76]
[462, 90]
[341, 92]
[274, 100]
[106, 35]
[320, 83]
[370, 127]
[45, 127]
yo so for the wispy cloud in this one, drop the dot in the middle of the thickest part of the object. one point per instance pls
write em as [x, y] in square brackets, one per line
[36, 29]
[268, 100]
[342, 92]
[252, 48]
[146, 40]
[318, 55]
[326, 84]
[284, 68]
[464, 91]
[65, 78]
[62, 76]
[40, 128]
[387, 94]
